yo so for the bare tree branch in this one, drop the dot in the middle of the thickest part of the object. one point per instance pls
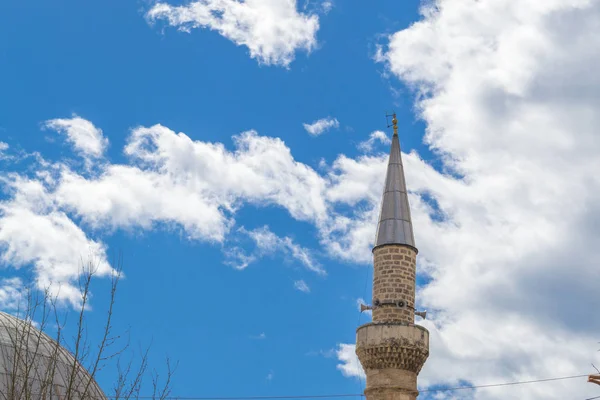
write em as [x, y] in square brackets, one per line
[38, 366]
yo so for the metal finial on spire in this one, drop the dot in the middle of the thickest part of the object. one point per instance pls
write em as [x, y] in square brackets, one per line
[395, 225]
[394, 122]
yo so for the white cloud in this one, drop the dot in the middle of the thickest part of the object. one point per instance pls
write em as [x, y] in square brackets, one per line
[322, 125]
[174, 182]
[33, 231]
[127, 196]
[88, 140]
[509, 93]
[3, 148]
[268, 243]
[272, 30]
[12, 293]
[301, 286]
[170, 181]
[359, 183]
[375, 136]
[349, 363]
[238, 258]
[193, 185]
[327, 6]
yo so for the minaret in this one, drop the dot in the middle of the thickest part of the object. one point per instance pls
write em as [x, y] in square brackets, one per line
[392, 349]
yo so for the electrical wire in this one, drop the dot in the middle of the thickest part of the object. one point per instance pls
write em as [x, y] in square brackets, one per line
[504, 384]
[331, 396]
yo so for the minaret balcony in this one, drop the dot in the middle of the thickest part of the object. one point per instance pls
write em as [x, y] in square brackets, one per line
[399, 346]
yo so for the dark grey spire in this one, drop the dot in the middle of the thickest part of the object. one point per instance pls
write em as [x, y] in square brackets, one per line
[395, 225]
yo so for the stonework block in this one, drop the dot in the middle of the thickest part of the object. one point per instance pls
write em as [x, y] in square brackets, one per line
[392, 356]
[394, 266]
[391, 384]
[392, 346]
[390, 394]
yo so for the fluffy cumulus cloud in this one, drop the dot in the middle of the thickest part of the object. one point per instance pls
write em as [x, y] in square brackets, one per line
[349, 364]
[376, 136]
[88, 140]
[34, 231]
[195, 185]
[508, 234]
[321, 126]
[272, 30]
[173, 182]
[359, 184]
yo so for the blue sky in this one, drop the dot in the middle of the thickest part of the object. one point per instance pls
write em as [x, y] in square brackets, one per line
[103, 62]
[246, 182]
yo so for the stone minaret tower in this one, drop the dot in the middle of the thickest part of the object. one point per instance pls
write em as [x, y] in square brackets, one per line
[392, 349]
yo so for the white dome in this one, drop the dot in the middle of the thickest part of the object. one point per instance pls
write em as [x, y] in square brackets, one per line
[43, 368]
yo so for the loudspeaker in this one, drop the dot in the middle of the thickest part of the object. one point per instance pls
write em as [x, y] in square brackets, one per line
[421, 314]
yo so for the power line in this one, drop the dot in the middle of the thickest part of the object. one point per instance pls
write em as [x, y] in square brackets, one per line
[325, 396]
[504, 384]
[331, 396]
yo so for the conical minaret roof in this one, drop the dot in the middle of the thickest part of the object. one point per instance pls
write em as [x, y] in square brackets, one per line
[395, 225]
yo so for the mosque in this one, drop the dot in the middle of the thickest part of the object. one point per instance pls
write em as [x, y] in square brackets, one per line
[34, 366]
[391, 349]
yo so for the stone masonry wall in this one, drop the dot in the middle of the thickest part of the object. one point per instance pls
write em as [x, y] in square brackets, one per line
[391, 384]
[394, 279]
